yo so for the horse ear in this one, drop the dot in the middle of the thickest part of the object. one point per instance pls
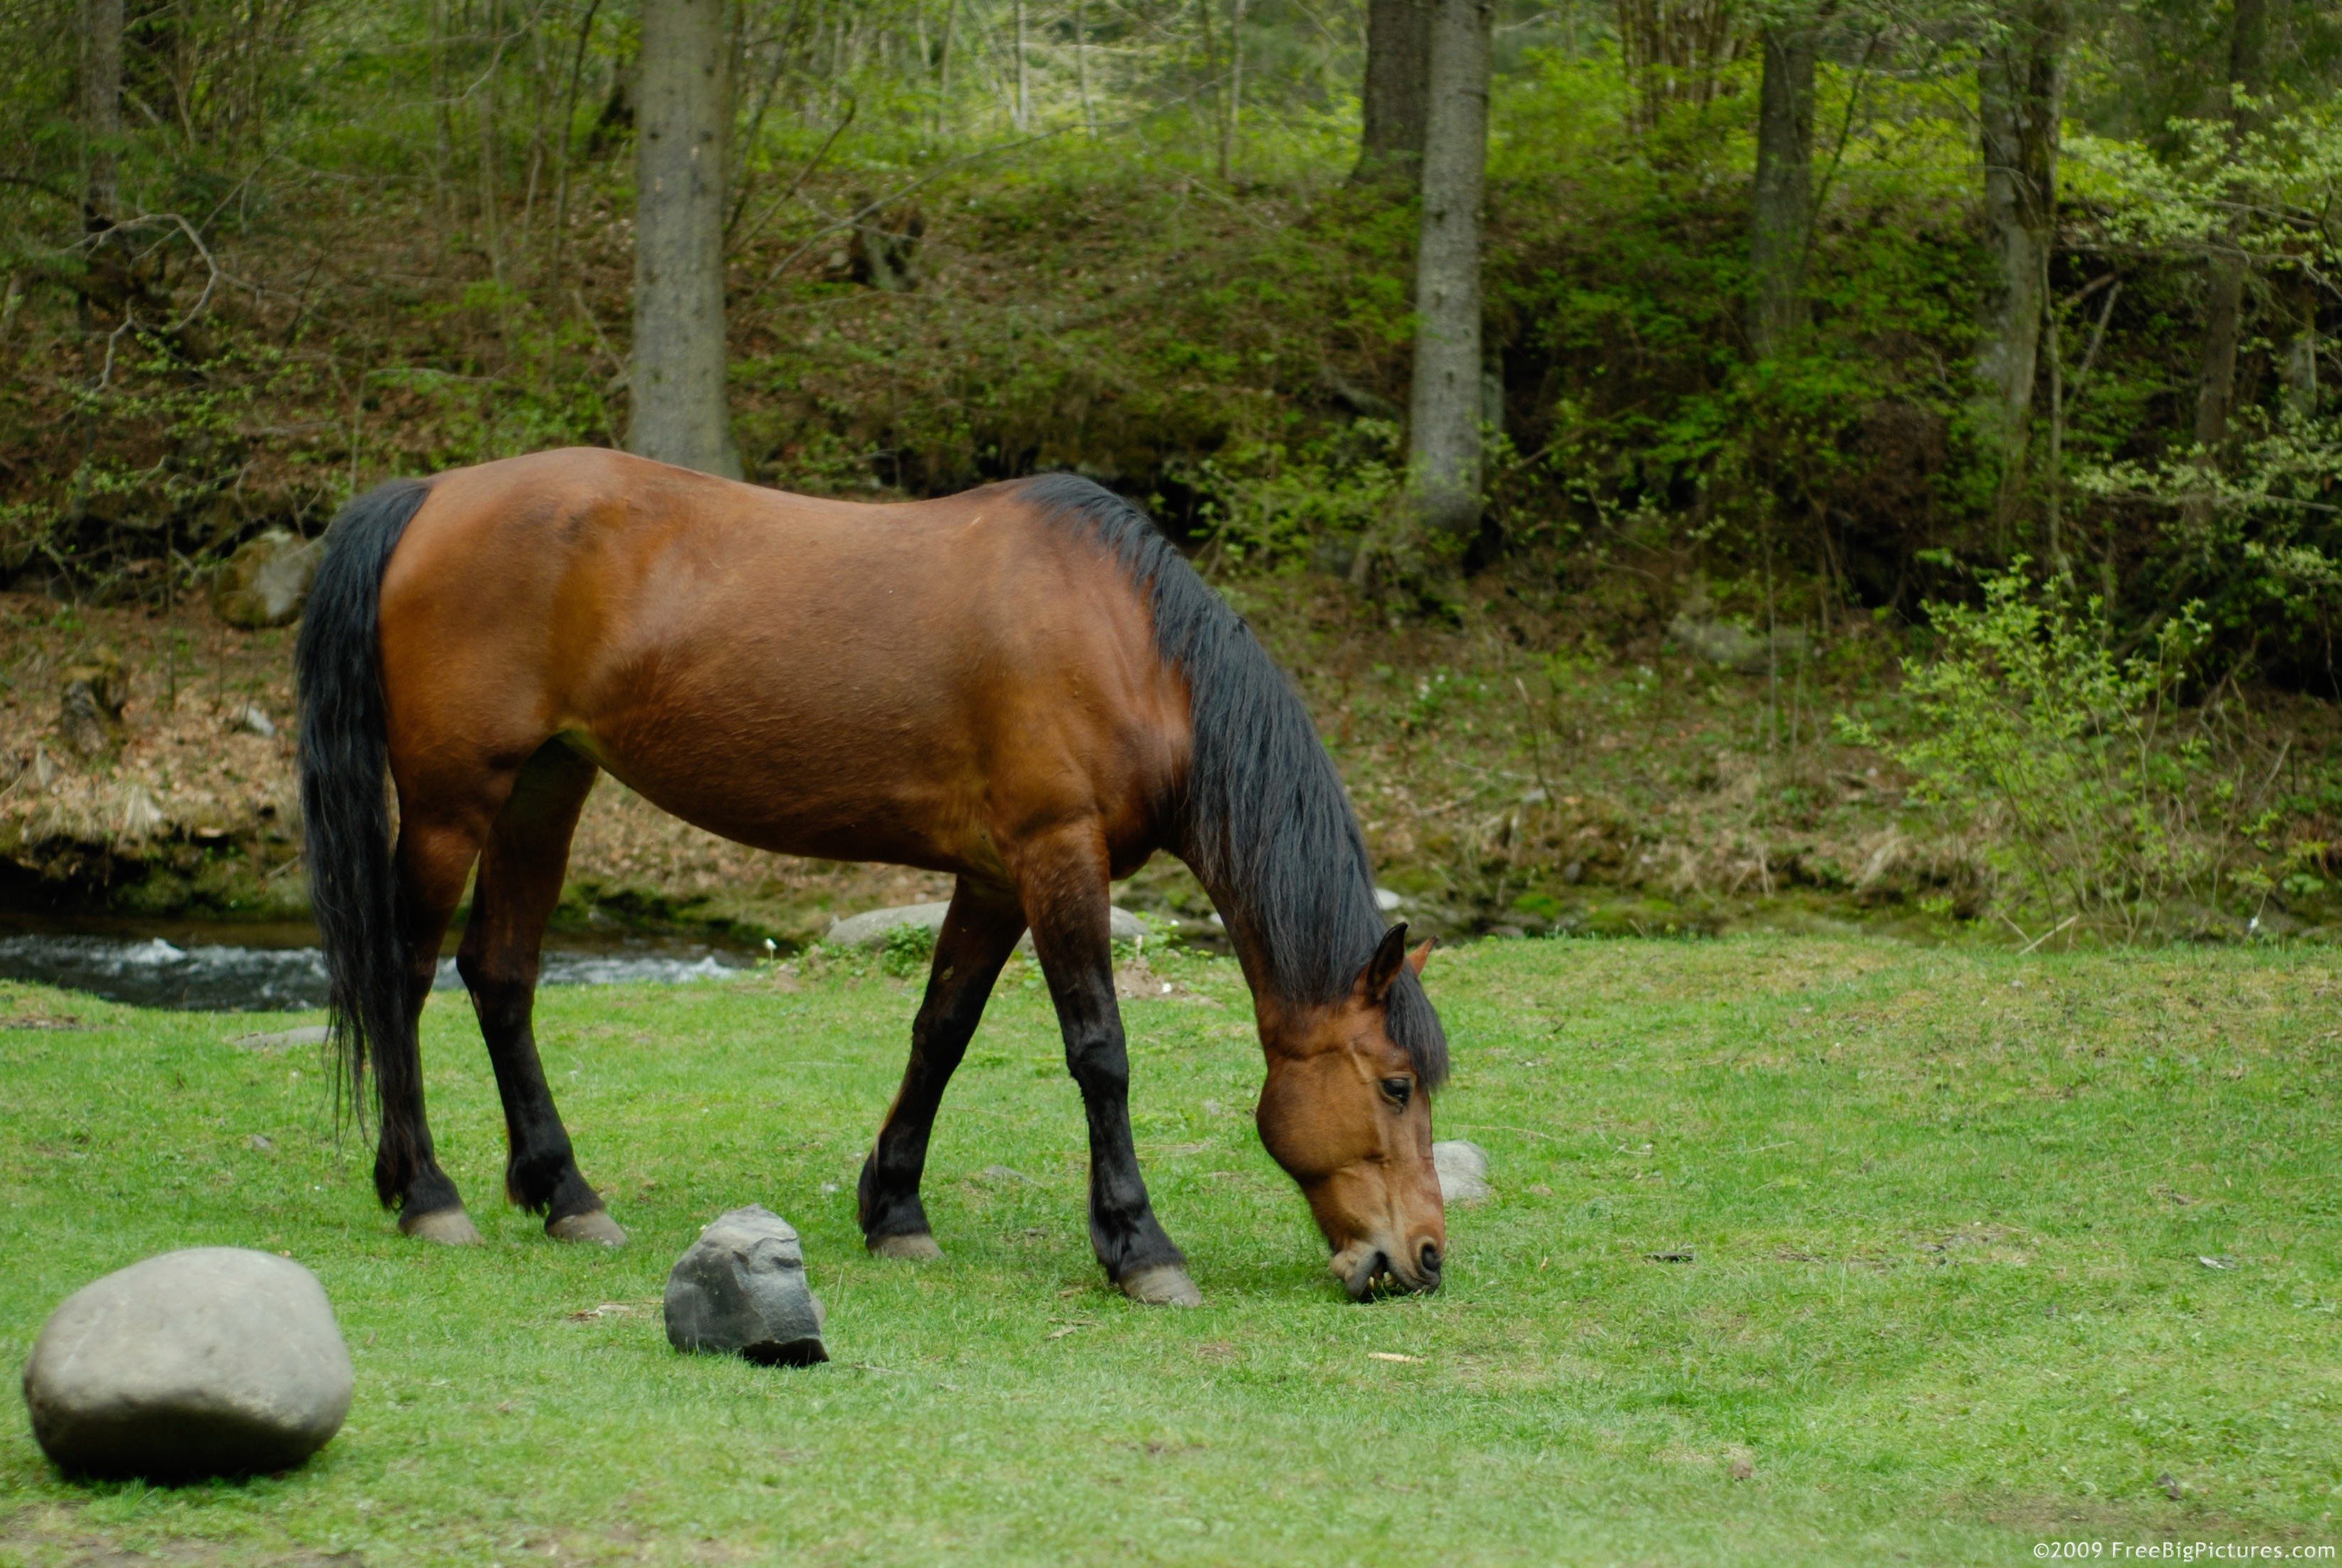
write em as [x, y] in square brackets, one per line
[1375, 979]
[1421, 955]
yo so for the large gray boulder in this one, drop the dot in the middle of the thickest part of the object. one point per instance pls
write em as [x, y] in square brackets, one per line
[215, 1360]
[741, 1290]
[1463, 1167]
[872, 927]
[1731, 646]
[266, 581]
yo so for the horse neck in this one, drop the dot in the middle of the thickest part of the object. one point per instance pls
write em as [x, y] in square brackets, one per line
[1252, 957]
[1276, 1004]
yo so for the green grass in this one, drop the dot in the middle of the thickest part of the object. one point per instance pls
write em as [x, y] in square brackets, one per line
[1948, 1213]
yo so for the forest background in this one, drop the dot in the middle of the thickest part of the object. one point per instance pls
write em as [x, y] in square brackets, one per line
[1909, 472]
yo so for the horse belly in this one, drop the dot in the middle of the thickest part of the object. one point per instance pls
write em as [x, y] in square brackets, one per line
[798, 768]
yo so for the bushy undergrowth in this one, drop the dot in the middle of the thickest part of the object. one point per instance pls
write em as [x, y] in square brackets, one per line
[2102, 795]
[1234, 351]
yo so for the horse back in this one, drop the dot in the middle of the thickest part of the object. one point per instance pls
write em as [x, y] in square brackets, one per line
[927, 682]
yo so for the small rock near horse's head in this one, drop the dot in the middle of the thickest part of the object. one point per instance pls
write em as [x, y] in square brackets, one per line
[1348, 1113]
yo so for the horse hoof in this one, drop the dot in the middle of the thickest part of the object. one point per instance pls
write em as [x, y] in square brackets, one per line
[1164, 1284]
[592, 1225]
[448, 1227]
[918, 1249]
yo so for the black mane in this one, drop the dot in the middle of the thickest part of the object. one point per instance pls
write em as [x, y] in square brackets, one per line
[1263, 820]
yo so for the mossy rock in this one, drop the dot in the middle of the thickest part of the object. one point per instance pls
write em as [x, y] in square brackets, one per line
[266, 581]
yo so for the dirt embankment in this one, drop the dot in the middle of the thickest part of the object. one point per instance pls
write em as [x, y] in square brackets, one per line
[1487, 815]
[1505, 784]
[193, 809]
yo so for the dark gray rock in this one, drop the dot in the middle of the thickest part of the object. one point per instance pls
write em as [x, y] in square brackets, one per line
[1463, 1167]
[214, 1361]
[741, 1290]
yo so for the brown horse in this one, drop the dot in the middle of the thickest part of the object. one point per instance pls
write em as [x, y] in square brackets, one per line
[1024, 685]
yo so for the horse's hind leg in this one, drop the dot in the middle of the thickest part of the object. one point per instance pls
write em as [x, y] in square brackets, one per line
[433, 858]
[520, 877]
[979, 932]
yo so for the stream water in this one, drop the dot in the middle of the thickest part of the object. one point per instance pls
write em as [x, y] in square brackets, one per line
[274, 968]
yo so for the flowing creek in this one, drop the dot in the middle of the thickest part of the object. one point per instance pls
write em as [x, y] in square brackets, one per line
[279, 968]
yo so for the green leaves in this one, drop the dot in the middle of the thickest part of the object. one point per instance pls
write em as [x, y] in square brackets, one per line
[2100, 796]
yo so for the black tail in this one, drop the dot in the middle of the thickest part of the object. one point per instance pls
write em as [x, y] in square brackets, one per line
[345, 807]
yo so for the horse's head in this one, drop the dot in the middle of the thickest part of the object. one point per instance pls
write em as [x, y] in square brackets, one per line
[1348, 1114]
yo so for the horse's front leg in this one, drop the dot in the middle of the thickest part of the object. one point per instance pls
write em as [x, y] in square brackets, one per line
[1064, 886]
[979, 932]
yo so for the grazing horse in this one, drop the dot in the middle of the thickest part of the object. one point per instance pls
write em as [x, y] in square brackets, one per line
[1024, 685]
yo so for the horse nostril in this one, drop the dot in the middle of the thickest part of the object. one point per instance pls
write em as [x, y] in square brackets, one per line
[1430, 1257]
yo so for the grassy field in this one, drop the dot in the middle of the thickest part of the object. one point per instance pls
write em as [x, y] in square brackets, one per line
[1983, 1253]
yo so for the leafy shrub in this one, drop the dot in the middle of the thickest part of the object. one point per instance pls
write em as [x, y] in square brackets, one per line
[909, 949]
[2105, 798]
[1267, 507]
[2257, 539]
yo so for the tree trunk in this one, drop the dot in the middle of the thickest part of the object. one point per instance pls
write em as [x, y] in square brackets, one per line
[1082, 65]
[101, 113]
[943, 71]
[2020, 80]
[1443, 415]
[2224, 304]
[1674, 52]
[1780, 224]
[568, 123]
[1235, 91]
[1024, 92]
[2297, 363]
[491, 150]
[1397, 90]
[444, 115]
[683, 114]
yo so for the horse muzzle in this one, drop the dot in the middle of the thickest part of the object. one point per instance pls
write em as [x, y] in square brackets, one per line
[1371, 1268]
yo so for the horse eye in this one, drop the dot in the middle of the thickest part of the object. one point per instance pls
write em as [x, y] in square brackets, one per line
[1398, 1089]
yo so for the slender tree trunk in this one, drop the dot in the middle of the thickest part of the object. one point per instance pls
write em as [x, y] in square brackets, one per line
[2020, 80]
[1082, 64]
[101, 113]
[1444, 412]
[2297, 362]
[443, 115]
[2224, 304]
[1781, 215]
[568, 123]
[491, 184]
[1024, 95]
[2224, 315]
[1673, 52]
[540, 98]
[1211, 58]
[680, 414]
[943, 71]
[1235, 91]
[1397, 90]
